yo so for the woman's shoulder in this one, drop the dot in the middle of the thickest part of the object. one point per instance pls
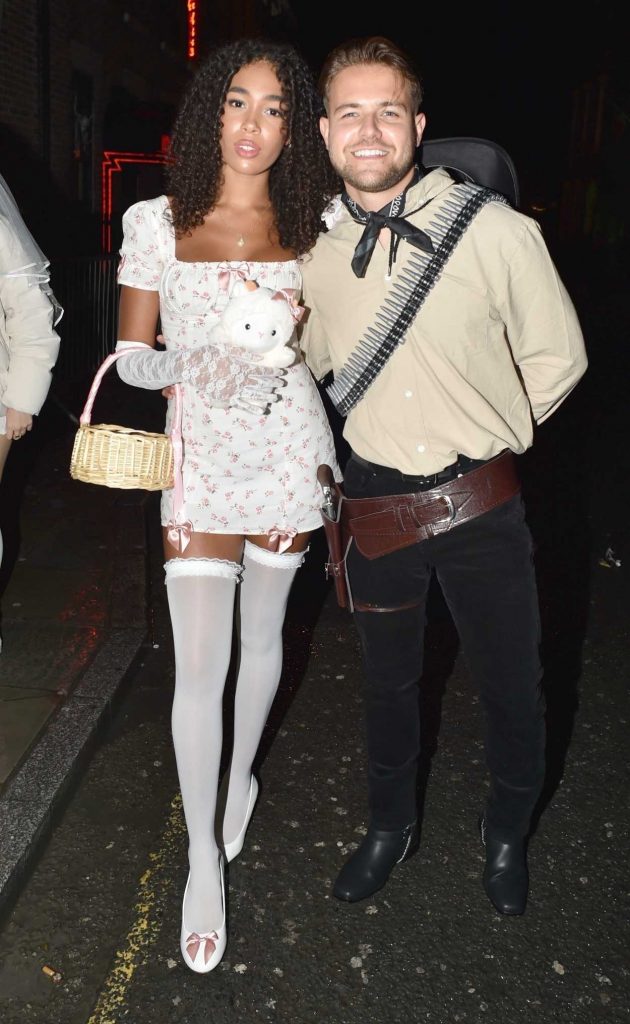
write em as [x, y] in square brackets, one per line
[156, 209]
[148, 224]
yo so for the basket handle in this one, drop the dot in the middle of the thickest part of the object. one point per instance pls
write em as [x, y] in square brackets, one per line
[86, 415]
[176, 427]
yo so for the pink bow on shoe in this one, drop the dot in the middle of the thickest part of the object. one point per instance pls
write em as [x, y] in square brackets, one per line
[193, 944]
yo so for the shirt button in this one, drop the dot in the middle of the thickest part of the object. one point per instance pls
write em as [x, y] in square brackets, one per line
[408, 394]
[420, 448]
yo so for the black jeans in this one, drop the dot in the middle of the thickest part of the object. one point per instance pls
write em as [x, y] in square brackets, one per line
[486, 573]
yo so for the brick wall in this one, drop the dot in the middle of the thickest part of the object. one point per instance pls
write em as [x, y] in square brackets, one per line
[128, 57]
[19, 100]
[119, 48]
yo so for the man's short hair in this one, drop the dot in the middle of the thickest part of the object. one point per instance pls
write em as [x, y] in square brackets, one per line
[370, 50]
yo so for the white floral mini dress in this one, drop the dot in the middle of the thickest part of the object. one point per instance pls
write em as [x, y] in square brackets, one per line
[241, 473]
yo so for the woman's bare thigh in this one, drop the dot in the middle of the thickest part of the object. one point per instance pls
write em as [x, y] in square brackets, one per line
[299, 543]
[5, 444]
[227, 546]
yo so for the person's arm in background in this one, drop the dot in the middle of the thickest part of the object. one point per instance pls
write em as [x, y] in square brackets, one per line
[32, 345]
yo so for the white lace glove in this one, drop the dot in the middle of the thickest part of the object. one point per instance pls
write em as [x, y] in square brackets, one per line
[229, 377]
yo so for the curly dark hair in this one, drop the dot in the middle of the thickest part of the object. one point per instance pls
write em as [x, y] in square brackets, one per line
[301, 181]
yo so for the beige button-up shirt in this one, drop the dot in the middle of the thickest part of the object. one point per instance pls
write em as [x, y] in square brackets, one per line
[496, 346]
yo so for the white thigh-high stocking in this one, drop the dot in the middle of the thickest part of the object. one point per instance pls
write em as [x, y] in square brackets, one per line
[201, 602]
[263, 596]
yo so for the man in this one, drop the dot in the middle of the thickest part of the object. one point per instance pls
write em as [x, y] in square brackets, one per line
[436, 405]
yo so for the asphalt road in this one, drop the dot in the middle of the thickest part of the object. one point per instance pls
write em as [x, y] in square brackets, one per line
[102, 906]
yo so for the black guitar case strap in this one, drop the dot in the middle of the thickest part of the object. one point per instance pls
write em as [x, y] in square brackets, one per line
[478, 160]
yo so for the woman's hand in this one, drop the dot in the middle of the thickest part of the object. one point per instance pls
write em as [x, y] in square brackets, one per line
[233, 376]
[17, 424]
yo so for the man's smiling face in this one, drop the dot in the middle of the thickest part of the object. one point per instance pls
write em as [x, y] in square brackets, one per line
[371, 130]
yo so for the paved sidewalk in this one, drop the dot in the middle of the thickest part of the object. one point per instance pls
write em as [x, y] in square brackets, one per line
[72, 597]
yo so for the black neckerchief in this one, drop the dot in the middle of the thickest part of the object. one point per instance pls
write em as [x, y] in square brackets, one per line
[387, 217]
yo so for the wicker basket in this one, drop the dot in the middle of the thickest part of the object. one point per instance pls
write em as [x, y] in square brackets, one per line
[121, 457]
[116, 456]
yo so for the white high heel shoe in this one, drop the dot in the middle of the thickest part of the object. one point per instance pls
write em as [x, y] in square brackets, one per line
[233, 848]
[203, 951]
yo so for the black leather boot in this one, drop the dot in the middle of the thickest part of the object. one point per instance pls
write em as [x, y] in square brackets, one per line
[505, 876]
[371, 865]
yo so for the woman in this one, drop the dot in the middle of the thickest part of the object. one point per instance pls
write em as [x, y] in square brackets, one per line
[249, 181]
[28, 313]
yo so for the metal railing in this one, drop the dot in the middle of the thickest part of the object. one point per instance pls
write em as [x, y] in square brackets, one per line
[86, 288]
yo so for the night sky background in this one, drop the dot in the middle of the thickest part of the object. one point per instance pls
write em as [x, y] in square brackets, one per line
[499, 70]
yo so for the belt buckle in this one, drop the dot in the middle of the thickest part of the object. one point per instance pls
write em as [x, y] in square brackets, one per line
[450, 516]
[444, 523]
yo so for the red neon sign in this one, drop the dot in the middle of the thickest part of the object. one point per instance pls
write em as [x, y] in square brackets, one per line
[113, 161]
[191, 6]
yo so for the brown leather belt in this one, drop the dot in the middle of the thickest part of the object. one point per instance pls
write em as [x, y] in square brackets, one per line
[379, 526]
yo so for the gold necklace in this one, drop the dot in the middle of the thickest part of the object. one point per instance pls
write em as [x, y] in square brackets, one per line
[241, 241]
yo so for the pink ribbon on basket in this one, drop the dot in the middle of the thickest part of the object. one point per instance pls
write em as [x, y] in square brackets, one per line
[178, 529]
[281, 539]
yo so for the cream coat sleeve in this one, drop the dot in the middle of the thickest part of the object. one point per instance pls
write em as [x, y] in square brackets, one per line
[30, 344]
[542, 325]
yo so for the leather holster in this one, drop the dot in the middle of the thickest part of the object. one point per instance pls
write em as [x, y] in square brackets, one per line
[338, 541]
[380, 526]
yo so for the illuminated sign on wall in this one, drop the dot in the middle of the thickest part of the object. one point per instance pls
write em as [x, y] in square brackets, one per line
[113, 162]
[191, 6]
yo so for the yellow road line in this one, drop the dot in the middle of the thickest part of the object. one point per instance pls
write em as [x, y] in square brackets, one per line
[145, 929]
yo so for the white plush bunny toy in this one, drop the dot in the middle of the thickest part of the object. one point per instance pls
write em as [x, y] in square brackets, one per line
[260, 320]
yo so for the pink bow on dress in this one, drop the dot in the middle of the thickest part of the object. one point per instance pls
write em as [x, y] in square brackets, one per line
[281, 539]
[229, 270]
[297, 311]
[179, 533]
